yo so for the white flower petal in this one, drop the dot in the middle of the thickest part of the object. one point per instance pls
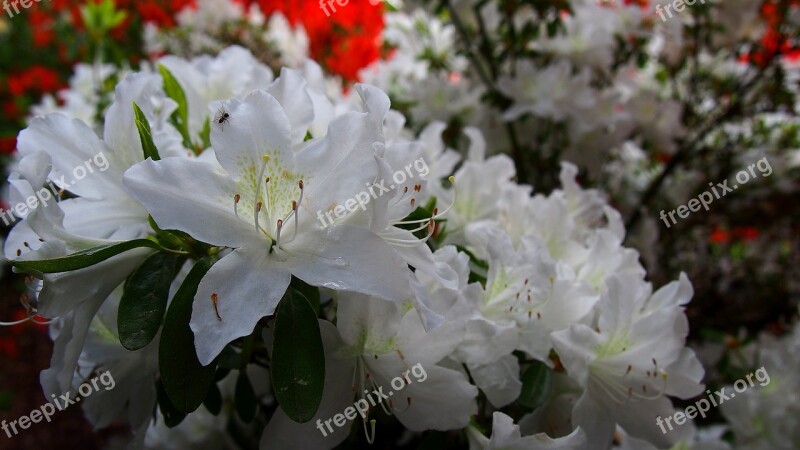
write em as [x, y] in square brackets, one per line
[349, 258]
[256, 126]
[190, 196]
[247, 287]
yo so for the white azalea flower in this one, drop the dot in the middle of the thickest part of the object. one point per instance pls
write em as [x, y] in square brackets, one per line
[103, 213]
[263, 206]
[553, 92]
[507, 436]
[376, 342]
[233, 73]
[631, 361]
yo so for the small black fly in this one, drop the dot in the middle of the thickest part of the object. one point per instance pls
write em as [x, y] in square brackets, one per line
[222, 117]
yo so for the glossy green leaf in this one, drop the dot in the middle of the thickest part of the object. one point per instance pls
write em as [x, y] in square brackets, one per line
[172, 417]
[535, 385]
[245, 398]
[311, 293]
[145, 134]
[174, 91]
[82, 259]
[186, 381]
[213, 400]
[144, 300]
[298, 359]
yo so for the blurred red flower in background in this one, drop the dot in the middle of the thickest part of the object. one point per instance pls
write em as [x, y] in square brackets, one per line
[345, 41]
[35, 79]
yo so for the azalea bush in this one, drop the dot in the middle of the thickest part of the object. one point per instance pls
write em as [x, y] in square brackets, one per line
[417, 225]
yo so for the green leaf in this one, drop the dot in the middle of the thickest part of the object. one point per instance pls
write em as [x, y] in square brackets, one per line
[213, 400]
[298, 360]
[205, 135]
[81, 259]
[5, 400]
[172, 417]
[311, 293]
[144, 300]
[186, 381]
[145, 134]
[245, 398]
[229, 359]
[174, 91]
[535, 385]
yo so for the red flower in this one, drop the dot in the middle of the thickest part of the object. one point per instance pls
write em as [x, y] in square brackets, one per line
[35, 324]
[344, 38]
[11, 110]
[719, 236]
[41, 24]
[773, 43]
[9, 346]
[8, 144]
[37, 79]
[746, 233]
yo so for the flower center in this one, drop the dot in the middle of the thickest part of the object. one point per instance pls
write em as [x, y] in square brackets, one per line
[270, 197]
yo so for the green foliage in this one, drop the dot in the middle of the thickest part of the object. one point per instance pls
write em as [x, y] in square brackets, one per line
[144, 300]
[145, 135]
[535, 385]
[187, 383]
[81, 259]
[298, 360]
[180, 118]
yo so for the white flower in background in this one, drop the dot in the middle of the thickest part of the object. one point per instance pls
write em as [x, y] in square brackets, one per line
[740, 19]
[442, 97]
[133, 396]
[480, 182]
[766, 416]
[631, 360]
[210, 15]
[589, 36]
[102, 213]
[441, 160]
[507, 436]
[709, 438]
[103, 210]
[292, 43]
[425, 36]
[423, 47]
[198, 431]
[525, 291]
[82, 98]
[553, 92]
[659, 121]
[524, 301]
[233, 73]
[200, 23]
[377, 341]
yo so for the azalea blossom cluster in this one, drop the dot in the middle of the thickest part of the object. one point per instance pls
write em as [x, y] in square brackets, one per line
[489, 283]
[196, 269]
